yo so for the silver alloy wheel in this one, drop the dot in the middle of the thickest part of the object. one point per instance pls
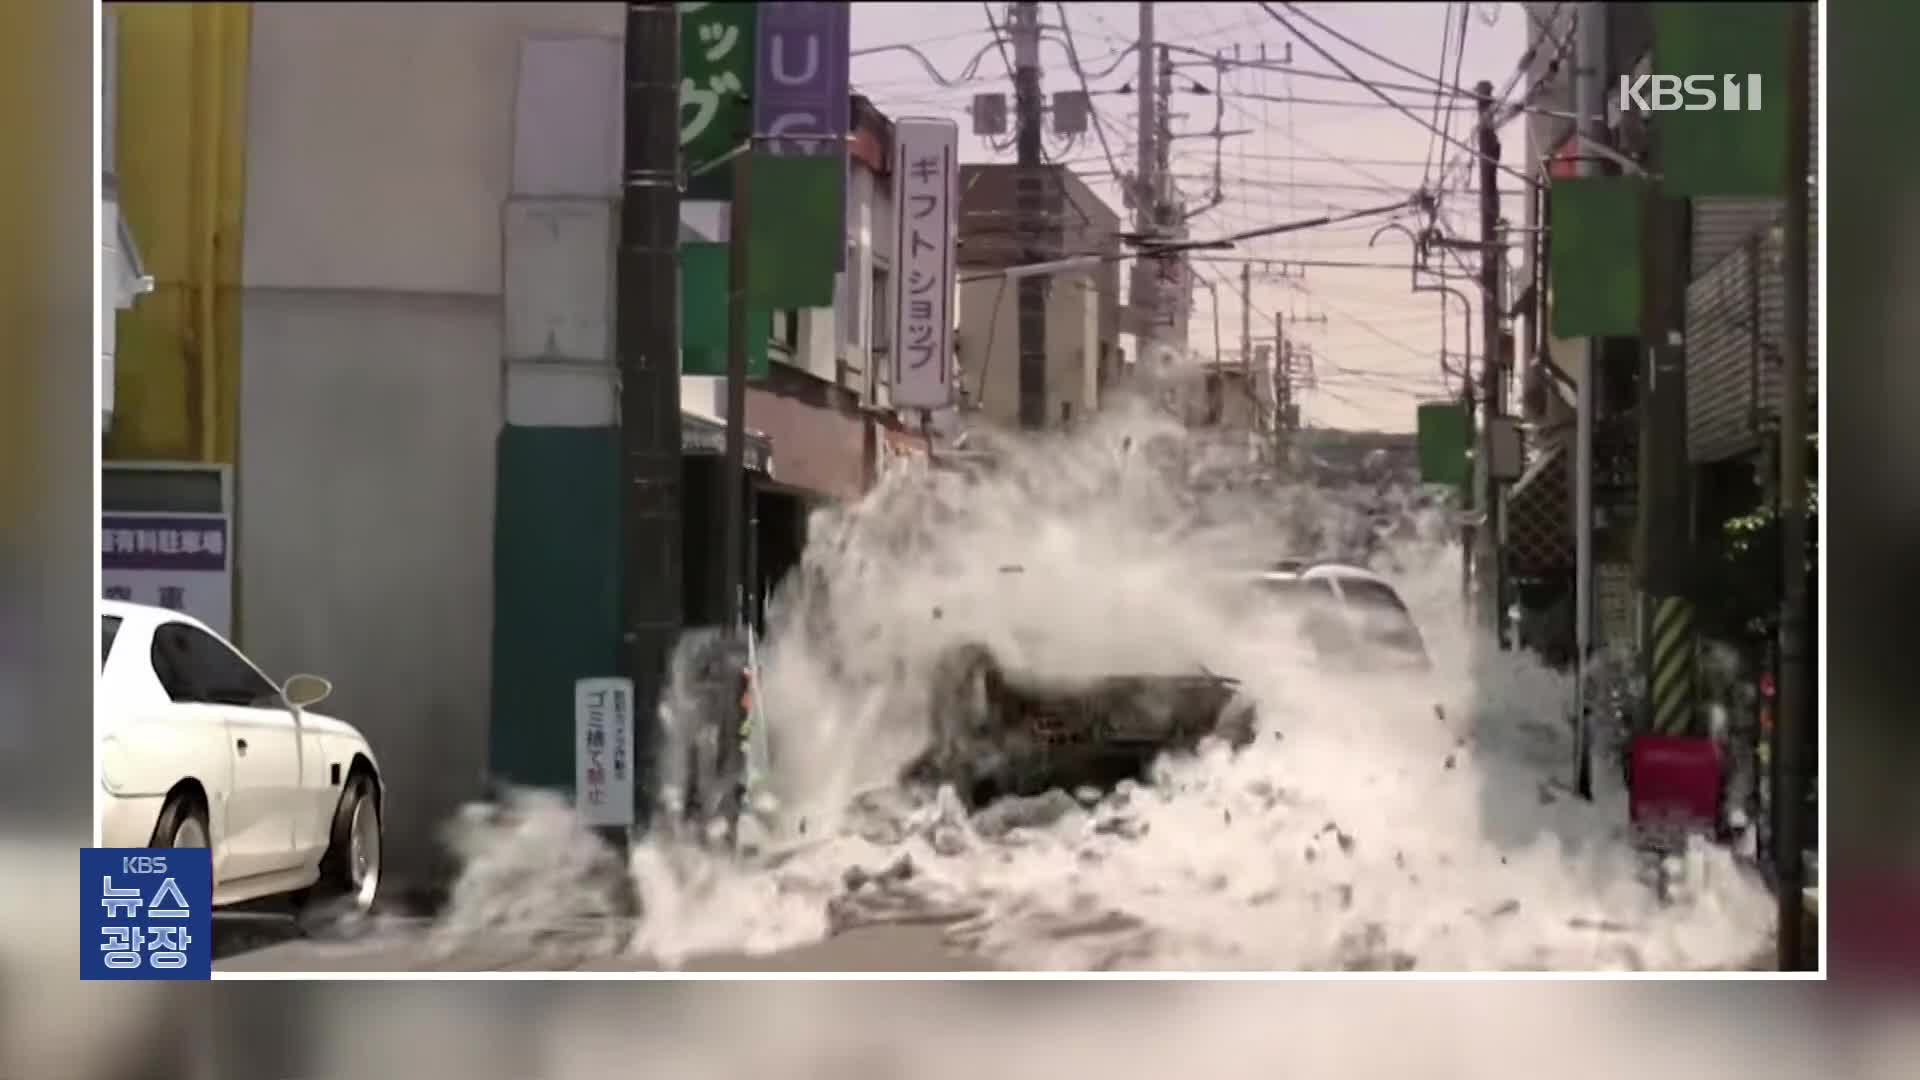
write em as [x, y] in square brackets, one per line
[363, 853]
[189, 833]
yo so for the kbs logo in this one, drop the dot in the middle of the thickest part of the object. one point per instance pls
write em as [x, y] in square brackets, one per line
[1694, 93]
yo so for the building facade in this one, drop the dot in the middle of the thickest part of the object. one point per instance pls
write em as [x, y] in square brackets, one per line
[1732, 323]
[1083, 306]
[381, 241]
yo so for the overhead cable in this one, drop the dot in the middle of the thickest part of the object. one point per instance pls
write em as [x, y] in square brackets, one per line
[1330, 58]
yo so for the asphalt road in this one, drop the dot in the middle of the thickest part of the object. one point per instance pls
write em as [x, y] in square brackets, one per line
[277, 943]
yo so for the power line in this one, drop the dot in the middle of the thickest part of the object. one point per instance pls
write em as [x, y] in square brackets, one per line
[1446, 33]
[1430, 81]
[1274, 230]
[1073, 61]
[1316, 47]
[1459, 62]
[1344, 162]
[1451, 107]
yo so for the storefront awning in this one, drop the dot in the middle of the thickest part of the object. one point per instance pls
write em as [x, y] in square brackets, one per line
[699, 435]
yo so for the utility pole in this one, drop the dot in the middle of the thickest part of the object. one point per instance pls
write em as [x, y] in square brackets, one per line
[1793, 730]
[648, 339]
[1492, 372]
[1166, 213]
[1030, 184]
[1668, 658]
[1589, 103]
[1144, 297]
[1282, 390]
[1246, 334]
[733, 462]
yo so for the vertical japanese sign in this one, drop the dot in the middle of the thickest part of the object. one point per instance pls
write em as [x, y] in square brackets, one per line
[801, 89]
[603, 752]
[925, 184]
[716, 79]
[178, 561]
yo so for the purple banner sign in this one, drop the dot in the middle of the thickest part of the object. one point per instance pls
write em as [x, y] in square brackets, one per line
[800, 83]
[801, 86]
[151, 542]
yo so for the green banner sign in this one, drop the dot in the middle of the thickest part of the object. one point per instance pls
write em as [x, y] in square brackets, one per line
[716, 83]
[704, 288]
[1443, 440]
[1595, 226]
[795, 242]
[1733, 55]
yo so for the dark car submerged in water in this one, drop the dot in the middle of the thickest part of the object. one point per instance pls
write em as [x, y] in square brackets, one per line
[998, 730]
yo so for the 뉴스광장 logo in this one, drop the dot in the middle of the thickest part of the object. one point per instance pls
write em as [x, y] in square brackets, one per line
[1692, 93]
[146, 913]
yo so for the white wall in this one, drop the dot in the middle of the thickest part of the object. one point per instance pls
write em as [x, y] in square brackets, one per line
[343, 96]
[365, 543]
[379, 157]
[990, 345]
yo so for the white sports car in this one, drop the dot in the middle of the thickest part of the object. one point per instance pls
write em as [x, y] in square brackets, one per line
[198, 749]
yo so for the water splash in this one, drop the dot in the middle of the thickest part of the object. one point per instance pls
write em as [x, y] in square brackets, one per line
[1377, 822]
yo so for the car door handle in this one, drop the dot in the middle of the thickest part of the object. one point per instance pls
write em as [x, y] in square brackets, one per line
[240, 745]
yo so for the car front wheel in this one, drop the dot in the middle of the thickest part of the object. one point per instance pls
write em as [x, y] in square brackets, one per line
[350, 871]
[182, 824]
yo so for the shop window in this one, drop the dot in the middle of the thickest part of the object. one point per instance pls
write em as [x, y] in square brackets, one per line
[882, 312]
[850, 296]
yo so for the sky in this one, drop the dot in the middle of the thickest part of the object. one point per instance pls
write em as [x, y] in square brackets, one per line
[1334, 146]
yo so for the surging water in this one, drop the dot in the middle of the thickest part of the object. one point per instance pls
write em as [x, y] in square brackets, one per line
[1376, 822]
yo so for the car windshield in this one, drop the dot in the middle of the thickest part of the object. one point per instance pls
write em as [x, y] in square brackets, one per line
[1382, 617]
[109, 629]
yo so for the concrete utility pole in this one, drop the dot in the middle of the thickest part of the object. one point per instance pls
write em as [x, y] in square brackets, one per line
[1589, 104]
[1030, 191]
[733, 463]
[1793, 733]
[1668, 660]
[648, 338]
[1282, 390]
[1492, 371]
[1166, 214]
[1246, 328]
[1145, 295]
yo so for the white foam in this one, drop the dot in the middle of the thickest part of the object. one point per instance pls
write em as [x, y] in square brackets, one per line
[1458, 854]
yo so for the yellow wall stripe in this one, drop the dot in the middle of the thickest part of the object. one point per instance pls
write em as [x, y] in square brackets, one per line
[181, 163]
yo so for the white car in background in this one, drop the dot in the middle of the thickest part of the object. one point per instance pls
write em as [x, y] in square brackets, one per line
[198, 749]
[1349, 615]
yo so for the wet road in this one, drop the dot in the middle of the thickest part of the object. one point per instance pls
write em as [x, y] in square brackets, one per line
[277, 943]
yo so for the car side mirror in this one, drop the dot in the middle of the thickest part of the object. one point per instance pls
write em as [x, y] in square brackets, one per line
[306, 691]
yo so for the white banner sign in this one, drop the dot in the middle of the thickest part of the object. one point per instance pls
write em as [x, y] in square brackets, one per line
[926, 172]
[177, 561]
[603, 752]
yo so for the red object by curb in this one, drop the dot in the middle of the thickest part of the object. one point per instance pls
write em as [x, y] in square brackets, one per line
[1676, 781]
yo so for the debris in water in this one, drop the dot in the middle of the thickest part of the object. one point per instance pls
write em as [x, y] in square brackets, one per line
[948, 840]
[1366, 950]
[1036, 812]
